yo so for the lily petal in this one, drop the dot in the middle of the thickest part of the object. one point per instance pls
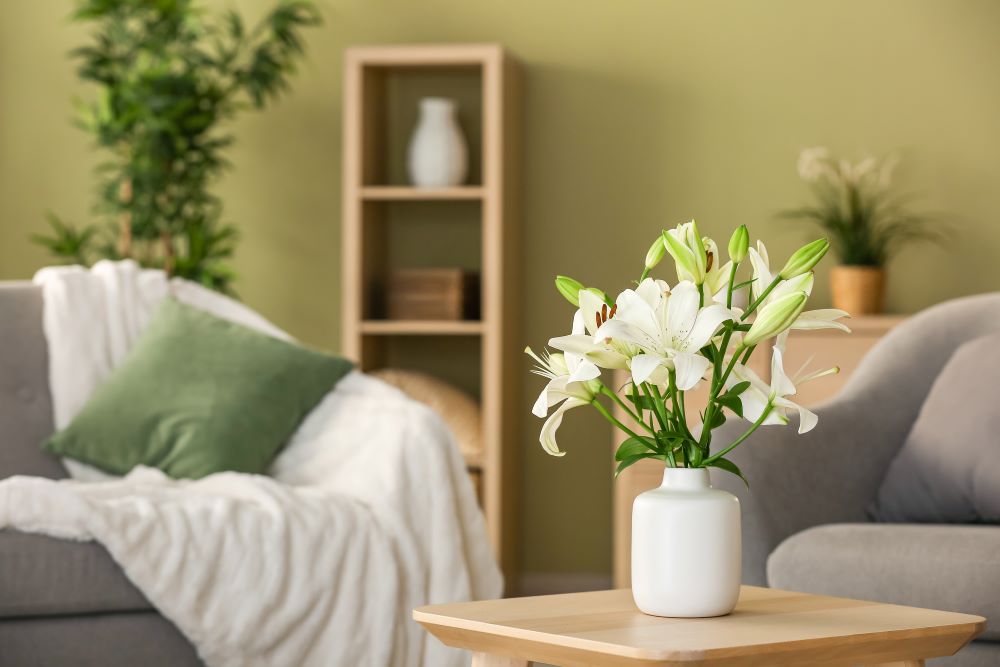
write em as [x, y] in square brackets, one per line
[781, 385]
[643, 366]
[541, 406]
[682, 309]
[690, 369]
[623, 331]
[585, 370]
[547, 437]
[706, 324]
[823, 318]
[590, 306]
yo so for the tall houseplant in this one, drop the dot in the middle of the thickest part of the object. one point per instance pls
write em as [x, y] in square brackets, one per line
[169, 76]
[867, 223]
[673, 339]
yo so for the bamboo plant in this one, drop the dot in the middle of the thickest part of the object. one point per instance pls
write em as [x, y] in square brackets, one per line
[169, 76]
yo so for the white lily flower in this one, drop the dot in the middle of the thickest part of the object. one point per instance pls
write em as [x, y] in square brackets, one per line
[760, 394]
[593, 312]
[666, 328]
[823, 318]
[570, 382]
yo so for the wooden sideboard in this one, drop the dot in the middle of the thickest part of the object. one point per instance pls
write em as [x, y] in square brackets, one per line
[822, 349]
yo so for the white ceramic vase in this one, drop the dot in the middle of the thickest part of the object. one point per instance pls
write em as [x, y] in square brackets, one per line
[686, 547]
[438, 156]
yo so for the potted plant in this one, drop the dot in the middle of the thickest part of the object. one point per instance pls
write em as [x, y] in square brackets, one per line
[866, 222]
[673, 338]
[168, 77]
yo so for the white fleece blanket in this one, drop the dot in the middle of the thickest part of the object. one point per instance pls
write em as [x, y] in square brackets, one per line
[367, 513]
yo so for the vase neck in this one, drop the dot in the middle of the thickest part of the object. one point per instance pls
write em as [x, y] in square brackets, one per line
[686, 479]
[439, 106]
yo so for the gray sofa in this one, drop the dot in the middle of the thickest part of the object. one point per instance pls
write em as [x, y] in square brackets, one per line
[805, 520]
[61, 602]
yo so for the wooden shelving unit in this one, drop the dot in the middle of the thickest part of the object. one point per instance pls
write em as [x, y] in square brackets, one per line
[376, 198]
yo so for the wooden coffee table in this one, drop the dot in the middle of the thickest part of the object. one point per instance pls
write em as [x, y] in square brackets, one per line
[768, 628]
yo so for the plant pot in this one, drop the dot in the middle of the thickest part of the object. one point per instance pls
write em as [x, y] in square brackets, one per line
[858, 289]
[686, 547]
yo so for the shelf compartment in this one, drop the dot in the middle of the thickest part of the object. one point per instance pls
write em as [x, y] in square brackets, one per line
[422, 327]
[407, 193]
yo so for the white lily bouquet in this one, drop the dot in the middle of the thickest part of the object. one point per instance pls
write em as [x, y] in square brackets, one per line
[672, 339]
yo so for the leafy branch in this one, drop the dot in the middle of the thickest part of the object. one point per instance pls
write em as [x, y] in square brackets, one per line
[169, 77]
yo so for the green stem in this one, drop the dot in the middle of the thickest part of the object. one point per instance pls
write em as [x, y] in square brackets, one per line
[732, 280]
[763, 295]
[624, 406]
[739, 440]
[661, 415]
[681, 425]
[611, 418]
[706, 431]
[645, 274]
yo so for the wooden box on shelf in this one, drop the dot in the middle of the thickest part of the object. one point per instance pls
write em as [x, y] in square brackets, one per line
[432, 294]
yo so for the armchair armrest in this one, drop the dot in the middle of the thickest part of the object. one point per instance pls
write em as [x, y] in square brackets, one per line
[828, 475]
[833, 472]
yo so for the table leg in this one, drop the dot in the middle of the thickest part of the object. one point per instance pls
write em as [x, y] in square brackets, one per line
[900, 663]
[490, 660]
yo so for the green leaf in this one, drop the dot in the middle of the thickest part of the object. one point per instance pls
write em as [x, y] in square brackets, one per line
[729, 466]
[632, 460]
[634, 447]
[732, 402]
[738, 388]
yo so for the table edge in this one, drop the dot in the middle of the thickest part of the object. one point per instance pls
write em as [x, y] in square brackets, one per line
[969, 630]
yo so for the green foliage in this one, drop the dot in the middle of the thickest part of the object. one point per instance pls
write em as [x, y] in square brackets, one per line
[867, 224]
[169, 76]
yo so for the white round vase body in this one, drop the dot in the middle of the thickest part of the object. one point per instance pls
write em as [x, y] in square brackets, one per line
[686, 547]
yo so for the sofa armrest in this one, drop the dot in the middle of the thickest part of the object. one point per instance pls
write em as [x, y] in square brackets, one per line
[25, 404]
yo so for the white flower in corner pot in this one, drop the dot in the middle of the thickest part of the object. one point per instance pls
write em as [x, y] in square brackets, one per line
[674, 340]
[865, 219]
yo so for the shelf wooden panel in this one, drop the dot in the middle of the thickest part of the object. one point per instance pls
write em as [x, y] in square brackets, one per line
[422, 327]
[408, 193]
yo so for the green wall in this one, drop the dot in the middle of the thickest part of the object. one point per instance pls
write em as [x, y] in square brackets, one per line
[638, 114]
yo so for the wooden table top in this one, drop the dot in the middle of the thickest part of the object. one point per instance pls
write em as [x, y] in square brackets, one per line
[768, 627]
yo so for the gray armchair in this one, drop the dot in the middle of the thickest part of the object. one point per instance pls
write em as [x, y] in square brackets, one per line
[805, 521]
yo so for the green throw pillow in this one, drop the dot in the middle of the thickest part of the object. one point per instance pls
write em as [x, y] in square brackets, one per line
[198, 395]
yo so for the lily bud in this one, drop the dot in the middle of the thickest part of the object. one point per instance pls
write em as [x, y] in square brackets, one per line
[570, 289]
[687, 248]
[775, 317]
[739, 243]
[804, 259]
[656, 253]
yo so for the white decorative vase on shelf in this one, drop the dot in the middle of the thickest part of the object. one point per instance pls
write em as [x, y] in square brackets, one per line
[686, 547]
[438, 156]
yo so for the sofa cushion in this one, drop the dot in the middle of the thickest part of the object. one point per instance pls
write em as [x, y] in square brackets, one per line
[948, 469]
[196, 395]
[45, 576]
[25, 406]
[953, 568]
